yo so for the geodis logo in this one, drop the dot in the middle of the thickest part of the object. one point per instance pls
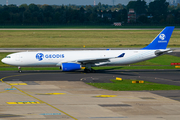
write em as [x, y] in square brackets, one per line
[162, 38]
[41, 56]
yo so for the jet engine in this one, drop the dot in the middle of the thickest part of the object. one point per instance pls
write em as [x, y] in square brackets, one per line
[70, 66]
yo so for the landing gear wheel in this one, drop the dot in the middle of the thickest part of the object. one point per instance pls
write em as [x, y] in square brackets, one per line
[20, 71]
[93, 71]
[89, 71]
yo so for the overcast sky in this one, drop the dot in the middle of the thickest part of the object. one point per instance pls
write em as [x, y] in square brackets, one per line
[65, 2]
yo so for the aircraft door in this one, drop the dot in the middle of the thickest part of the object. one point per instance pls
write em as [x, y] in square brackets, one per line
[17, 57]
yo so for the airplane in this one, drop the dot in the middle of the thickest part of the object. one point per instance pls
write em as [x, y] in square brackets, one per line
[74, 60]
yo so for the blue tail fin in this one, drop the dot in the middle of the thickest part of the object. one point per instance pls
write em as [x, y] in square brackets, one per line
[162, 40]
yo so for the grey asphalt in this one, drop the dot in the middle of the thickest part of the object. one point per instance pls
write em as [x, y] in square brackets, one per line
[83, 102]
[58, 49]
[170, 77]
[68, 49]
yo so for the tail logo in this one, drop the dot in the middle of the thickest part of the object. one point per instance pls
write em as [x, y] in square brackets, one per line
[162, 36]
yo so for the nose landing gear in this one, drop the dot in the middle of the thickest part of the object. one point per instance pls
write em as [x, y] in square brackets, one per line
[20, 71]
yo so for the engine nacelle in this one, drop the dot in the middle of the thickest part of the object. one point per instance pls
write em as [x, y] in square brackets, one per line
[70, 66]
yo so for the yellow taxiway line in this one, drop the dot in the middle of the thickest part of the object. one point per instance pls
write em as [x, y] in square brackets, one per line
[41, 101]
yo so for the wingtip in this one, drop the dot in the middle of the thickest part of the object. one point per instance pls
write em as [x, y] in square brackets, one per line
[122, 55]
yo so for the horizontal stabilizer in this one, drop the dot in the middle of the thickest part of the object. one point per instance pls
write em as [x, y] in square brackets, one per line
[160, 52]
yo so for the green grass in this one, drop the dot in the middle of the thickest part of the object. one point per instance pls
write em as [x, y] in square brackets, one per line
[127, 85]
[161, 60]
[79, 38]
[132, 67]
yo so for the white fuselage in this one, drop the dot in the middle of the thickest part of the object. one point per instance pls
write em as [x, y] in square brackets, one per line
[56, 58]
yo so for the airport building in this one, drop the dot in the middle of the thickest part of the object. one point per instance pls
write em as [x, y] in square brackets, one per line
[131, 16]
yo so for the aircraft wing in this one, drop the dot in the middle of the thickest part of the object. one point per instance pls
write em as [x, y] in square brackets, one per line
[91, 61]
[97, 60]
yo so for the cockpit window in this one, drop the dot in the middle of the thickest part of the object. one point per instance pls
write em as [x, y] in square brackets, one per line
[8, 56]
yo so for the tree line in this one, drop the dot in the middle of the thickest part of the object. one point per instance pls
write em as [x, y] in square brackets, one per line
[156, 12]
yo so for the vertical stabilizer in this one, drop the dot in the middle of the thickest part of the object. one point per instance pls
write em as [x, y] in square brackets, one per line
[162, 40]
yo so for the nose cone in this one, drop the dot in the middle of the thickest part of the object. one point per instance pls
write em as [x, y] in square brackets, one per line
[6, 61]
[3, 60]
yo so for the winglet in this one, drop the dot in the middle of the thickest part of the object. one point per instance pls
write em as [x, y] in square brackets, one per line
[122, 55]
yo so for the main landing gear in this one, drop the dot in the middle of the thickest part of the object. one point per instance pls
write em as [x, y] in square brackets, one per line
[89, 70]
[20, 71]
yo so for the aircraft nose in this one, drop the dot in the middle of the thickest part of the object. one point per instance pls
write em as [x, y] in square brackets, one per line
[3, 60]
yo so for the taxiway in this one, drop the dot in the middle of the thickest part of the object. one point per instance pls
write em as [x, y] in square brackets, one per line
[64, 95]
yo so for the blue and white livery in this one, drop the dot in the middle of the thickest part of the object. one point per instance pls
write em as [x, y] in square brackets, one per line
[74, 60]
